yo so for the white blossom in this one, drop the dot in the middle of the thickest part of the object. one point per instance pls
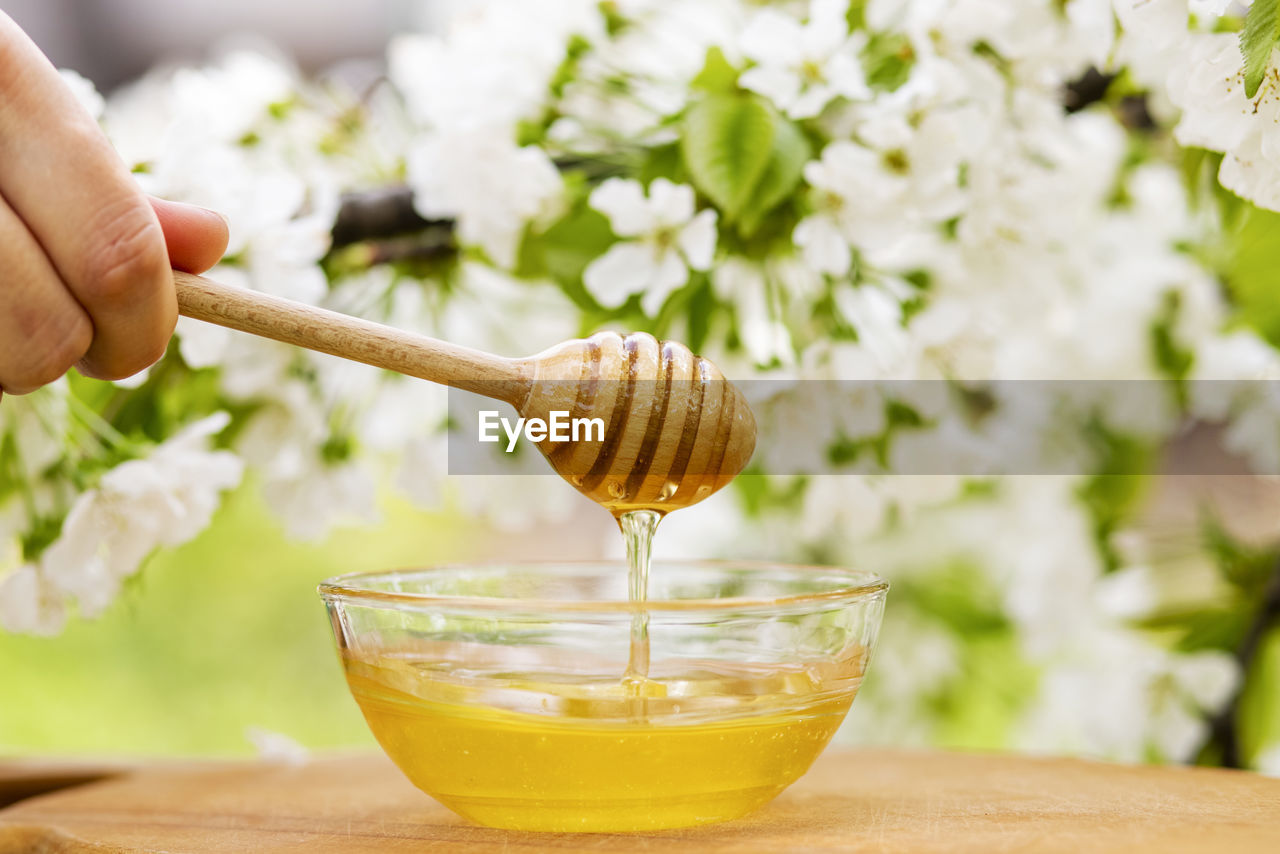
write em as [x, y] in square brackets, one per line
[276, 747]
[754, 297]
[1268, 761]
[493, 187]
[665, 239]
[874, 196]
[164, 499]
[802, 67]
[30, 604]
[315, 500]
[227, 99]
[626, 92]
[1208, 86]
[494, 65]
[39, 424]
[1131, 592]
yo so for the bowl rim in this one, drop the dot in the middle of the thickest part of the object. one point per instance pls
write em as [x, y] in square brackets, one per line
[343, 588]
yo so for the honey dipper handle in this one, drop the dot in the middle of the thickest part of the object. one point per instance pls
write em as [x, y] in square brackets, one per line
[350, 338]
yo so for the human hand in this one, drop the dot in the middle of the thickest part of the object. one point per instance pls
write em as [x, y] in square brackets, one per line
[85, 255]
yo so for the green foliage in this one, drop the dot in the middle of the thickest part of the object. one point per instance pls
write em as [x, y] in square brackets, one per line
[577, 48]
[1110, 497]
[1199, 168]
[1261, 30]
[614, 21]
[887, 61]
[44, 531]
[337, 448]
[761, 494]
[898, 417]
[173, 395]
[857, 15]
[717, 75]
[726, 143]
[11, 478]
[346, 130]
[1260, 701]
[1221, 624]
[564, 250]
[1251, 270]
[701, 308]
[982, 705]
[782, 173]
[959, 596]
[694, 305]
[663, 161]
[743, 155]
[1210, 629]
[1173, 358]
[978, 705]
[1247, 568]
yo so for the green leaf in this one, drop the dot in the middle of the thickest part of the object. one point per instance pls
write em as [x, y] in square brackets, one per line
[959, 596]
[856, 17]
[663, 161]
[781, 174]
[1261, 29]
[1207, 630]
[1249, 269]
[702, 305]
[887, 61]
[717, 75]
[1172, 356]
[726, 145]
[1246, 567]
[982, 704]
[564, 250]
[1260, 703]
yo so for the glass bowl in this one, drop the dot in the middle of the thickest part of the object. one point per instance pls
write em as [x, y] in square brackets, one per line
[499, 690]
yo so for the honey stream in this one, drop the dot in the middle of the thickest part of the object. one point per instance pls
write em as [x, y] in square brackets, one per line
[638, 528]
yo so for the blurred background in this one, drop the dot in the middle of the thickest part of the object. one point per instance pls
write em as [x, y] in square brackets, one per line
[227, 633]
[113, 41]
[224, 637]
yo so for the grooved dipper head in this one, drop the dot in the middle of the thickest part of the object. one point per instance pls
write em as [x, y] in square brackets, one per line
[671, 429]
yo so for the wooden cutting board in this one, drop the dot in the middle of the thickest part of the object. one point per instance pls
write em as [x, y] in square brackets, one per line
[20, 779]
[851, 801]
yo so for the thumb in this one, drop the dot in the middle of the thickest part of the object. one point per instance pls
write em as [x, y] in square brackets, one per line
[196, 237]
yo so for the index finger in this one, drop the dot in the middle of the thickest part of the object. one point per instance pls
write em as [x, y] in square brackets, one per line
[60, 174]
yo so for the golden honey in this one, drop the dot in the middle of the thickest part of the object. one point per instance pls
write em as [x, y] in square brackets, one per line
[596, 755]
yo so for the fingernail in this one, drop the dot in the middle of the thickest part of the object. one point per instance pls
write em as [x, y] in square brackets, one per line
[226, 222]
[200, 208]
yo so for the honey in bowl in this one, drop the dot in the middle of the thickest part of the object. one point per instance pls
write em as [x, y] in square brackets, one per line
[545, 698]
[499, 689]
[589, 772]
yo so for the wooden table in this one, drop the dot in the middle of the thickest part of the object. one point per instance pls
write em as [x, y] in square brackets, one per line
[850, 801]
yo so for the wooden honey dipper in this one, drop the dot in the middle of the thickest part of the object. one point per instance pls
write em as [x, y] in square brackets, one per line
[675, 429]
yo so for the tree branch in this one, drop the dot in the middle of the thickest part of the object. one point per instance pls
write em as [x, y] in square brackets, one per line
[1224, 727]
[1092, 86]
[381, 213]
[386, 219]
[386, 227]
